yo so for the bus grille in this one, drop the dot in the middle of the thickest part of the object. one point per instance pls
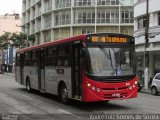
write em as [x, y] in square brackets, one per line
[122, 88]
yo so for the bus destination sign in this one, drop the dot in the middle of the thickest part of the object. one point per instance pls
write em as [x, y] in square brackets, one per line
[109, 39]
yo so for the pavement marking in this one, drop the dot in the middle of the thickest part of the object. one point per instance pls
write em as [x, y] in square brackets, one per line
[6, 89]
[69, 113]
[150, 99]
[27, 97]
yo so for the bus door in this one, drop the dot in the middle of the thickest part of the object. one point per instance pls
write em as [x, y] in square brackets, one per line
[22, 68]
[41, 70]
[76, 71]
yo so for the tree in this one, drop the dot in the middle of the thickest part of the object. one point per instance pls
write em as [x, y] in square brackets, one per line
[4, 40]
[18, 40]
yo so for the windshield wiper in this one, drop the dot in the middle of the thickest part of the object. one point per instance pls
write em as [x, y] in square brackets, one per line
[108, 55]
[119, 58]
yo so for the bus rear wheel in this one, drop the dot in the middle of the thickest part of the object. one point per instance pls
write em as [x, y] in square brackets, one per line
[63, 93]
[28, 86]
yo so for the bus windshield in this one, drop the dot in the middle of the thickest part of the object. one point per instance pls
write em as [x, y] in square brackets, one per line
[110, 61]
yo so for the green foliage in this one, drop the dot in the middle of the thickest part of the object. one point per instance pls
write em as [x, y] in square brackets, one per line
[4, 40]
[17, 40]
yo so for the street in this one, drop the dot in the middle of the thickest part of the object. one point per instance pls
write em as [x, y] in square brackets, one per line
[15, 100]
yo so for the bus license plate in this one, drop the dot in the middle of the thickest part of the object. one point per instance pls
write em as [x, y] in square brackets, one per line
[116, 95]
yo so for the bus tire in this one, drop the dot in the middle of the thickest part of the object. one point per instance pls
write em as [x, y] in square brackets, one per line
[63, 94]
[28, 85]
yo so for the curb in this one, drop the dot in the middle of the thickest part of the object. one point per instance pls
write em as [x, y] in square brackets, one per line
[10, 74]
[145, 91]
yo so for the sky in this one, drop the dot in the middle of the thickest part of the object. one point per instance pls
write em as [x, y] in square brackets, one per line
[10, 6]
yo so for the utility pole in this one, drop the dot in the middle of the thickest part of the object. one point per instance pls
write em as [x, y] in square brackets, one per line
[7, 53]
[95, 22]
[146, 54]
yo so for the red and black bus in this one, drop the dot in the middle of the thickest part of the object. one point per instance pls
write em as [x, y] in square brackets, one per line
[88, 68]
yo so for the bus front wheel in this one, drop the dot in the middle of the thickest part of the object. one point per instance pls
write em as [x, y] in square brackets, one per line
[64, 94]
[28, 85]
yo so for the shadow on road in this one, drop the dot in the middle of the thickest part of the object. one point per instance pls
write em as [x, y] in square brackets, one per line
[87, 107]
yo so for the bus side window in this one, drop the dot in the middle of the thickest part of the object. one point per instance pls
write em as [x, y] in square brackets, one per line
[64, 55]
[34, 58]
[29, 58]
[51, 54]
[17, 59]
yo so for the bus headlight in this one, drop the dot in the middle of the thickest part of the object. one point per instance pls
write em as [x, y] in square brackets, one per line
[136, 82]
[88, 85]
[93, 88]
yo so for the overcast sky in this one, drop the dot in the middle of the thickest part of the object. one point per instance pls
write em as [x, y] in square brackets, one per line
[10, 6]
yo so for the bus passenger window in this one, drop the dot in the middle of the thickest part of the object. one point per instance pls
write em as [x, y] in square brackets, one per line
[63, 55]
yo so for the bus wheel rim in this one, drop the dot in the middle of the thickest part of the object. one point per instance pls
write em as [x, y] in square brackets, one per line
[64, 93]
[28, 88]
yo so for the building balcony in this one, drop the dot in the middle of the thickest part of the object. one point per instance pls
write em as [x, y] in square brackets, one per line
[49, 8]
[139, 2]
[104, 21]
[154, 35]
[63, 5]
[47, 25]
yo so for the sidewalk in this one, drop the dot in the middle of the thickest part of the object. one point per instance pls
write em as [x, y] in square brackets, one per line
[146, 91]
[10, 74]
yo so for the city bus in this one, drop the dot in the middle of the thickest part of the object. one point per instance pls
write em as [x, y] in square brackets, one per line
[88, 68]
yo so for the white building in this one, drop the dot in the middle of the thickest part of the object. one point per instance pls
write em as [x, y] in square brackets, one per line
[154, 36]
[56, 19]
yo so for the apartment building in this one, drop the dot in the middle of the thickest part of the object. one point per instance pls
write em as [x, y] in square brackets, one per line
[154, 37]
[50, 20]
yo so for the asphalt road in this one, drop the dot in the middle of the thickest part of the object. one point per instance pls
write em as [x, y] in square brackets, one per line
[15, 102]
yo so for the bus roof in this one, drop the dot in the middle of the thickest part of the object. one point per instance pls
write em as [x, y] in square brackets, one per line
[70, 39]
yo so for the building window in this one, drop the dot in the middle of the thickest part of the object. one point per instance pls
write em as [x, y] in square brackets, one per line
[127, 17]
[47, 36]
[107, 2]
[107, 16]
[82, 17]
[142, 22]
[87, 30]
[62, 18]
[47, 20]
[63, 3]
[48, 5]
[83, 2]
